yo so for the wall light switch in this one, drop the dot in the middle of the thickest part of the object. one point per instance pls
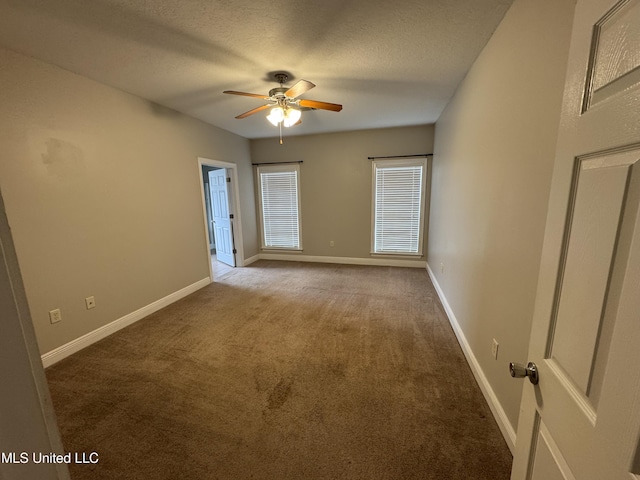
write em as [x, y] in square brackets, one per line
[494, 349]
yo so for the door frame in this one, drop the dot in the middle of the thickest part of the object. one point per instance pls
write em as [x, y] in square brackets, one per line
[238, 240]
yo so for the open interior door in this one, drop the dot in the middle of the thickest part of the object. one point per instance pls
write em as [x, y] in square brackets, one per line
[582, 420]
[27, 419]
[222, 221]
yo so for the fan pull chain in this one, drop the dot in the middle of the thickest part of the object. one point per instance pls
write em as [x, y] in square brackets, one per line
[280, 125]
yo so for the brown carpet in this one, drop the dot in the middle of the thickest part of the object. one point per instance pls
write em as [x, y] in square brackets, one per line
[283, 370]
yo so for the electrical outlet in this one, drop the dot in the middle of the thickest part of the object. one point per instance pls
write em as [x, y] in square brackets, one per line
[494, 348]
[332, 243]
[55, 316]
[441, 267]
[91, 302]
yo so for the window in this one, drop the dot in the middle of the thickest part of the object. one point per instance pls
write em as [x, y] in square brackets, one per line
[279, 197]
[398, 206]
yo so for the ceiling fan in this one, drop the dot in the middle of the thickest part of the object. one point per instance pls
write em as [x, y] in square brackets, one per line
[286, 107]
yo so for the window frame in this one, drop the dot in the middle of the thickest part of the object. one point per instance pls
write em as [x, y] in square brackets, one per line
[395, 163]
[284, 167]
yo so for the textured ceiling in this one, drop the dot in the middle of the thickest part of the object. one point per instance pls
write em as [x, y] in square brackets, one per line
[388, 63]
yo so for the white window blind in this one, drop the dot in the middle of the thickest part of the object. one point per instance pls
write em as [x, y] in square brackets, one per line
[279, 201]
[398, 202]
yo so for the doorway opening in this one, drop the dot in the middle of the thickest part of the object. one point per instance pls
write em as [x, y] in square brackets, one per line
[221, 216]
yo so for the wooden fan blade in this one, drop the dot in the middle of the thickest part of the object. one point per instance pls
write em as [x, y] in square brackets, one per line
[255, 110]
[334, 107]
[255, 95]
[299, 88]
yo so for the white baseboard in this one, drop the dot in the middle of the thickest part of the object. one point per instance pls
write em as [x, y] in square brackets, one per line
[380, 262]
[508, 432]
[250, 260]
[79, 343]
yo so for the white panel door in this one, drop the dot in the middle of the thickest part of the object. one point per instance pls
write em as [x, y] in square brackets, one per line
[222, 223]
[582, 421]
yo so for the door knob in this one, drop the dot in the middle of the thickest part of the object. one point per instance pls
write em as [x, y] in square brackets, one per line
[520, 371]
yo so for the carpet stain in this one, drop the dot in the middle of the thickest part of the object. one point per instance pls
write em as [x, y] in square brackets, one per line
[265, 376]
[280, 394]
[338, 369]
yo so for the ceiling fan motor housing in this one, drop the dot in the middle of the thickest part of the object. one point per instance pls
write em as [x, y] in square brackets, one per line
[281, 78]
[278, 92]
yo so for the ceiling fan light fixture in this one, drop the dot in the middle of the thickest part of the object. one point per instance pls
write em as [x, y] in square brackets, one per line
[291, 117]
[284, 103]
[276, 116]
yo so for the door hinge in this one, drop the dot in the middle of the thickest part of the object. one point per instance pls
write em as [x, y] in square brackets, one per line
[235, 251]
[231, 215]
[228, 179]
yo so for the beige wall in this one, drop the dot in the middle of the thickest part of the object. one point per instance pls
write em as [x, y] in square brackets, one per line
[102, 192]
[494, 149]
[335, 181]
